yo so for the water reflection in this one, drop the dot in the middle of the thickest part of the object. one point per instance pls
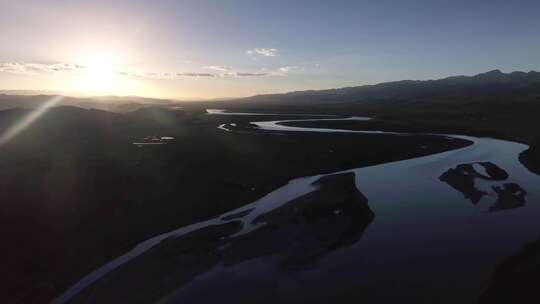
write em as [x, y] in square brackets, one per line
[153, 140]
[479, 179]
[288, 239]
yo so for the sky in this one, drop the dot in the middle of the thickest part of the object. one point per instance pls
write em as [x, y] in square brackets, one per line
[216, 49]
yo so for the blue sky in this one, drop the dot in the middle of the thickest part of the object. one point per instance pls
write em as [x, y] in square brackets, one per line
[209, 49]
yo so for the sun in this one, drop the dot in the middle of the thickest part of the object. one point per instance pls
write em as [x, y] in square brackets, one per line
[99, 69]
[99, 74]
[103, 72]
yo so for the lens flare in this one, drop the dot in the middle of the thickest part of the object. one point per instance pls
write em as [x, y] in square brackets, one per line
[28, 120]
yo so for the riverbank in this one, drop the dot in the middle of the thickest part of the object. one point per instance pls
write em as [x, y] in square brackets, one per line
[530, 158]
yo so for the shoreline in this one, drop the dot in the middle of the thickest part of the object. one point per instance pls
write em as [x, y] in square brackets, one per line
[528, 158]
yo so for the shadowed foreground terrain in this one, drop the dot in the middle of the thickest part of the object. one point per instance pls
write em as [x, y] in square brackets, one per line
[76, 192]
[516, 278]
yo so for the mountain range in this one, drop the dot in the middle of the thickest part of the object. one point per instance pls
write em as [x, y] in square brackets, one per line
[484, 84]
[487, 84]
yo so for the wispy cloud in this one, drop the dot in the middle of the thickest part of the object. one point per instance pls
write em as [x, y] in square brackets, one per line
[230, 72]
[285, 70]
[169, 76]
[240, 74]
[219, 68]
[19, 68]
[219, 71]
[164, 76]
[264, 52]
[288, 68]
[243, 74]
[191, 74]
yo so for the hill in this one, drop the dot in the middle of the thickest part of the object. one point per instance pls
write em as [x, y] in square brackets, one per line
[107, 103]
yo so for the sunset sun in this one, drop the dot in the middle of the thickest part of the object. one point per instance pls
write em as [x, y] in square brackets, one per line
[99, 75]
[99, 68]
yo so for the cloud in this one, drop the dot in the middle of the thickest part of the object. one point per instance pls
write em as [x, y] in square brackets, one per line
[243, 74]
[191, 74]
[263, 52]
[151, 76]
[230, 72]
[251, 74]
[32, 69]
[164, 76]
[28, 68]
[285, 70]
[217, 68]
[170, 76]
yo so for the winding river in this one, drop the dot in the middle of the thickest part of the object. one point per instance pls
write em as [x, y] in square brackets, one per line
[441, 224]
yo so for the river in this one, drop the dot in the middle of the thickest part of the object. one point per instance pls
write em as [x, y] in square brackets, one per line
[441, 225]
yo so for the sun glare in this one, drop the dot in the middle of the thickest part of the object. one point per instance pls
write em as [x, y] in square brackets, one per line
[99, 75]
[100, 69]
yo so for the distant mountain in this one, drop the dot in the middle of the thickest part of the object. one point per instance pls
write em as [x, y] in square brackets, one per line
[484, 85]
[31, 92]
[108, 103]
[488, 83]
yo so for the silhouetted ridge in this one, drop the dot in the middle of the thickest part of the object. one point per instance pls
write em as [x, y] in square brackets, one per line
[483, 84]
